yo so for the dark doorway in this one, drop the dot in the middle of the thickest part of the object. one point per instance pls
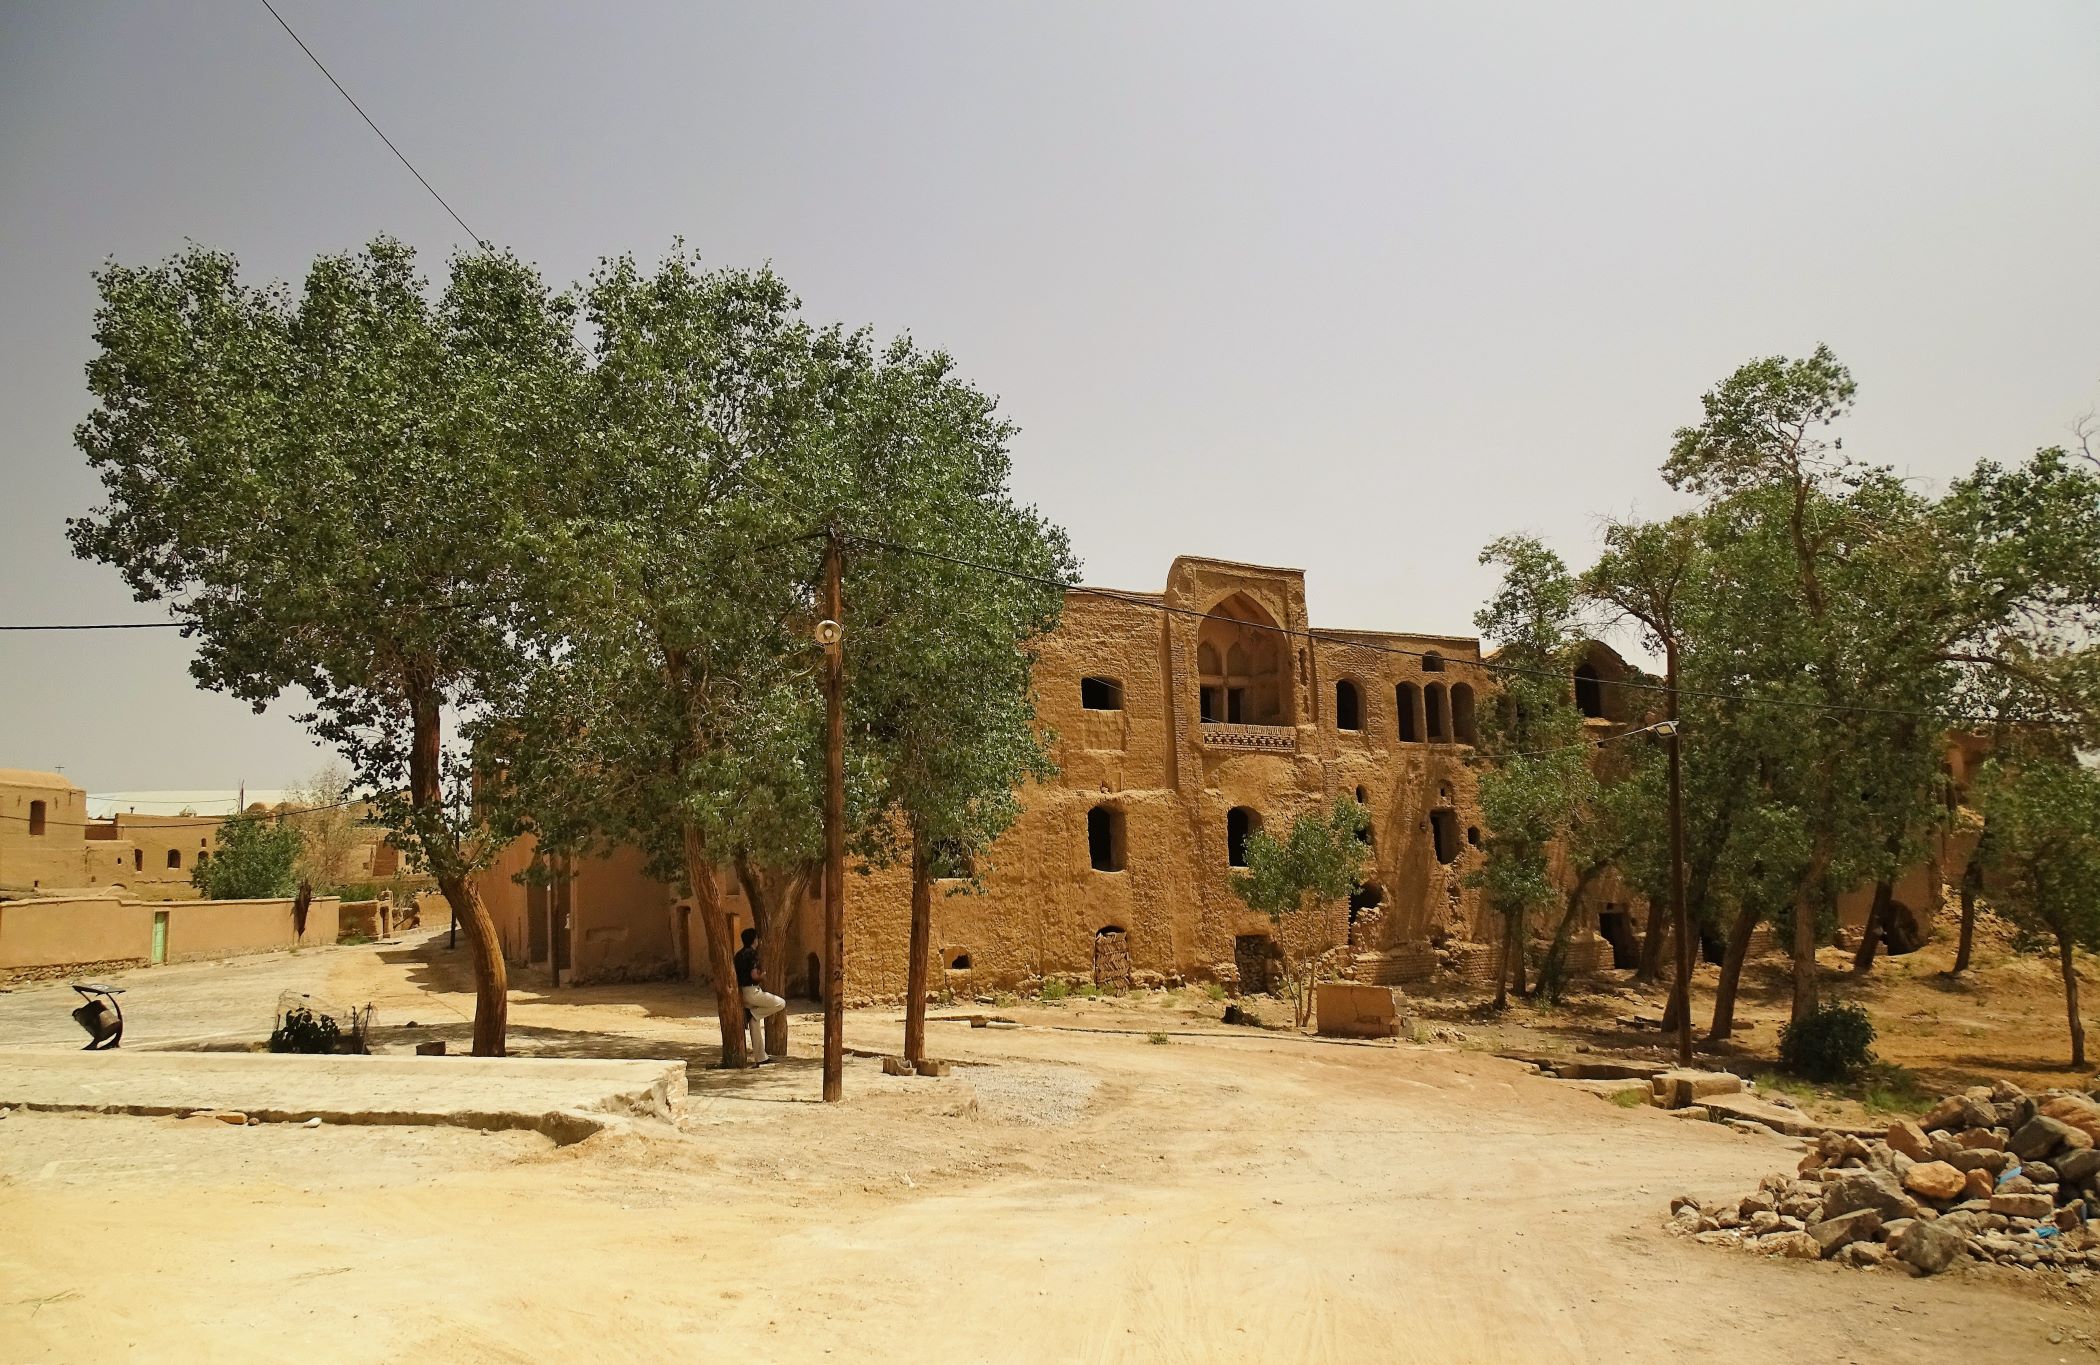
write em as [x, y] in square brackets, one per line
[1104, 839]
[1443, 825]
[1589, 692]
[1617, 927]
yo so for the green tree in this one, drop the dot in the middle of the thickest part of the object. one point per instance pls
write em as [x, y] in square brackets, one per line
[2043, 860]
[339, 491]
[1536, 778]
[255, 860]
[1303, 882]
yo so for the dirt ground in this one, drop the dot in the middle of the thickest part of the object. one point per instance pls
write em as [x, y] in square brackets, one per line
[1116, 1181]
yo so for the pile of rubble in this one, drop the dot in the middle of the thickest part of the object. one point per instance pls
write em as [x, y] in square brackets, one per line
[1992, 1174]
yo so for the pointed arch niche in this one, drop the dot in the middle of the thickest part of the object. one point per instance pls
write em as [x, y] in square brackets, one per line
[1243, 665]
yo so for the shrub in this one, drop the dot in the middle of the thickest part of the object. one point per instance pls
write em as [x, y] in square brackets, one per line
[1158, 1038]
[1055, 989]
[1833, 1044]
[305, 1030]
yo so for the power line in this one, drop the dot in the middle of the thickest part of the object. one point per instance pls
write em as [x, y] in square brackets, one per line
[106, 625]
[478, 241]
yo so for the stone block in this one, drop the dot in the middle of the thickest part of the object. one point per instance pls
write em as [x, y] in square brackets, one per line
[1834, 1233]
[434, 1048]
[2041, 1136]
[1875, 1190]
[1906, 1137]
[928, 1067]
[1346, 1009]
[895, 1066]
[1679, 1088]
[1929, 1246]
[1935, 1180]
[2022, 1205]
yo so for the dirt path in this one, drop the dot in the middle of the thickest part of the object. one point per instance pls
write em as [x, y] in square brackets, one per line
[1077, 1196]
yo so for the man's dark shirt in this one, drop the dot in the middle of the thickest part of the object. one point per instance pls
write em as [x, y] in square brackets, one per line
[746, 967]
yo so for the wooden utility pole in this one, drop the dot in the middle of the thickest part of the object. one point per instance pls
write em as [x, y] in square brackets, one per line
[829, 634]
[1681, 993]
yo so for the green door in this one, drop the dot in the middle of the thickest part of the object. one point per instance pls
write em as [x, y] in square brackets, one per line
[160, 936]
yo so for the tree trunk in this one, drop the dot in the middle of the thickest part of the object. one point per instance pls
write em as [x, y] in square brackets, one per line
[440, 851]
[1877, 924]
[1971, 883]
[772, 897]
[1516, 953]
[921, 947]
[1650, 970]
[1806, 909]
[681, 943]
[2063, 953]
[1553, 971]
[721, 958]
[1739, 935]
[1502, 967]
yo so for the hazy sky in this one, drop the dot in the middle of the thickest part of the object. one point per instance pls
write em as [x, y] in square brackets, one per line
[1354, 289]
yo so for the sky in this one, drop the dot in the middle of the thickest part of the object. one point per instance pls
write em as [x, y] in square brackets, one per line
[1354, 289]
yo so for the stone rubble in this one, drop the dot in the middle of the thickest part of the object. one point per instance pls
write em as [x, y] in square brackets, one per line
[1992, 1174]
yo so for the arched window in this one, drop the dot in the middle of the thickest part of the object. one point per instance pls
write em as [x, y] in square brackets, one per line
[1104, 839]
[1363, 798]
[1348, 706]
[1240, 822]
[174, 857]
[1240, 657]
[1100, 694]
[1589, 691]
[1407, 700]
[1433, 705]
[959, 962]
[36, 819]
[1432, 662]
[1462, 713]
[1367, 896]
[1443, 823]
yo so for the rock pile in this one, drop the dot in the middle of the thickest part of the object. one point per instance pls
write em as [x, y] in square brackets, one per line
[1991, 1174]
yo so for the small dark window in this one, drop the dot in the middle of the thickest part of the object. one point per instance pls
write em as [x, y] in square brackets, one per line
[1348, 706]
[1212, 703]
[174, 857]
[1240, 822]
[1100, 694]
[959, 963]
[1104, 839]
[36, 819]
[1363, 798]
[1589, 692]
[1473, 835]
[138, 860]
[1432, 662]
[1433, 705]
[1443, 822]
[1235, 704]
[1368, 896]
[203, 858]
[1408, 699]
[1462, 713]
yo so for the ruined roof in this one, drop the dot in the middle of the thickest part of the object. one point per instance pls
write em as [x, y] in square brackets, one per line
[30, 777]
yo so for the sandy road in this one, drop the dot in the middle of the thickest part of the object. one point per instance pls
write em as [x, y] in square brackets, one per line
[1079, 1196]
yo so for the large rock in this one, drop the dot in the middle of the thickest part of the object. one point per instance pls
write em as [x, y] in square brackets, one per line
[2041, 1135]
[1679, 1089]
[2077, 1111]
[1945, 1114]
[1928, 1246]
[1935, 1180]
[1797, 1246]
[1981, 1139]
[1834, 1233]
[1906, 1137]
[1876, 1190]
[2037, 1206]
[2075, 1168]
[1978, 1184]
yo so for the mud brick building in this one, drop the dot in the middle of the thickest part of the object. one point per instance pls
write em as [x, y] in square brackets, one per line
[1184, 720]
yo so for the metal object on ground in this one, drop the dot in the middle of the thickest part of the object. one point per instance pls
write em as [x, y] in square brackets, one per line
[100, 1015]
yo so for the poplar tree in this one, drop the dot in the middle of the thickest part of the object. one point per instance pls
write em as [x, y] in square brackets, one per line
[339, 491]
[2043, 861]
